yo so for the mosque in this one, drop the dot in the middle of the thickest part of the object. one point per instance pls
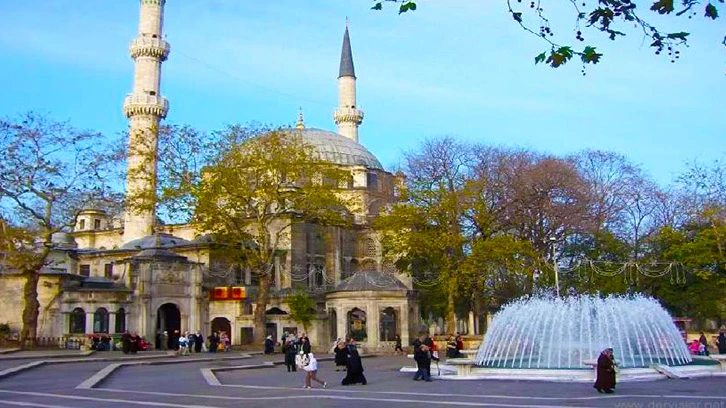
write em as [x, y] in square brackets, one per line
[111, 275]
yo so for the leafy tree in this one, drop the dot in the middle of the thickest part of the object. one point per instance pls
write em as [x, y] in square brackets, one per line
[249, 197]
[426, 231]
[610, 18]
[49, 172]
[302, 309]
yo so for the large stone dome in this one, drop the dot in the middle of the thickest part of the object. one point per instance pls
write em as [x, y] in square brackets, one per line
[338, 149]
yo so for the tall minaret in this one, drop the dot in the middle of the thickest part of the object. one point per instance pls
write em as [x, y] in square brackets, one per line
[347, 116]
[145, 107]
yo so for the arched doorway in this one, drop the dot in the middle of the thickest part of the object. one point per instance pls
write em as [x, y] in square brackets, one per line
[357, 325]
[388, 324]
[222, 324]
[168, 319]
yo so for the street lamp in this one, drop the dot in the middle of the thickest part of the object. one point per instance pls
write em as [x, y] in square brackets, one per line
[553, 240]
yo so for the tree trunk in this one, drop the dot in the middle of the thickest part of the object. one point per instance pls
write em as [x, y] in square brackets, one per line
[450, 316]
[29, 332]
[263, 298]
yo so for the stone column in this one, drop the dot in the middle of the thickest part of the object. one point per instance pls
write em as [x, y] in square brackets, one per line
[405, 326]
[341, 314]
[89, 323]
[112, 322]
[472, 325]
[372, 324]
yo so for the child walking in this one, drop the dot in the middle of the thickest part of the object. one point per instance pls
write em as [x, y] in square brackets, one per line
[310, 365]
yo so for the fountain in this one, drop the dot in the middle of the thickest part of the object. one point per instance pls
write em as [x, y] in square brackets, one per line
[546, 332]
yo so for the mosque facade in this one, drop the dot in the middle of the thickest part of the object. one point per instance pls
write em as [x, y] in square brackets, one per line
[134, 274]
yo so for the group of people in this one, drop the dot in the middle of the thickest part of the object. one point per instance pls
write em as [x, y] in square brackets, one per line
[291, 346]
[192, 342]
[131, 342]
[700, 347]
[424, 351]
[454, 345]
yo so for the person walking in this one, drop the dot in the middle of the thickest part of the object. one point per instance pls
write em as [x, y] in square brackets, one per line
[355, 369]
[399, 347]
[126, 342]
[704, 341]
[290, 351]
[605, 381]
[310, 365]
[199, 342]
[721, 343]
[213, 342]
[192, 341]
[422, 356]
[269, 345]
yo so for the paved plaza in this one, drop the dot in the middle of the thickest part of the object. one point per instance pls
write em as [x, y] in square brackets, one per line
[234, 380]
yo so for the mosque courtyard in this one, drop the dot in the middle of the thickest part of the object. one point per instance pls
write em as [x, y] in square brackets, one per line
[232, 380]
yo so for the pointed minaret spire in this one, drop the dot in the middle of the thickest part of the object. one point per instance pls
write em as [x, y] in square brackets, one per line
[347, 116]
[300, 120]
[346, 56]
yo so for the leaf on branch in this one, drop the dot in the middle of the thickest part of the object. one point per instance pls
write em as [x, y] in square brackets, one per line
[559, 57]
[590, 56]
[377, 6]
[711, 11]
[663, 6]
[407, 6]
[540, 58]
[678, 36]
[517, 16]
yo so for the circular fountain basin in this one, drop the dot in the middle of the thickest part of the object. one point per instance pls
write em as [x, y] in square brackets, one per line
[546, 332]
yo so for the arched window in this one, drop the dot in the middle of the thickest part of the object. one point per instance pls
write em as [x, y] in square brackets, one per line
[100, 321]
[357, 325]
[77, 321]
[120, 321]
[388, 324]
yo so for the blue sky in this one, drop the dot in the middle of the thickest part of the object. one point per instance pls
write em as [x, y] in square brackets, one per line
[454, 67]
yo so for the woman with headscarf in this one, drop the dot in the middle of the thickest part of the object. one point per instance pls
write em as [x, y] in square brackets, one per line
[269, 345]
[721, 343]
[355, 369]
[341, 356]
[605, 381]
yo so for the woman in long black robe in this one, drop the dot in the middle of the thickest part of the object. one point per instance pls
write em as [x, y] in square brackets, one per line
[341, 356]
[605, 381]
[355, 369]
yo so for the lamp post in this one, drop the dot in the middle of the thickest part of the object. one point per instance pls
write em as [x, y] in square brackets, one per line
[554, 263]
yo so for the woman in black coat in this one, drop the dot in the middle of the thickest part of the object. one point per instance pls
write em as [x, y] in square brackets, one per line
[198, 342]
[605, 381]
[355, 369]
[341, 356]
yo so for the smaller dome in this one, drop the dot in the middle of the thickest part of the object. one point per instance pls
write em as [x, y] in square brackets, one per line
[159, 240]
[376, 281]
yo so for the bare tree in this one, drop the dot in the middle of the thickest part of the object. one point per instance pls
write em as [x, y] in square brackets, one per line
[49, 172]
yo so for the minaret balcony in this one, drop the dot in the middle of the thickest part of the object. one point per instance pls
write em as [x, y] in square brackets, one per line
[144, 104]
[348, 115]
[149, 47]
